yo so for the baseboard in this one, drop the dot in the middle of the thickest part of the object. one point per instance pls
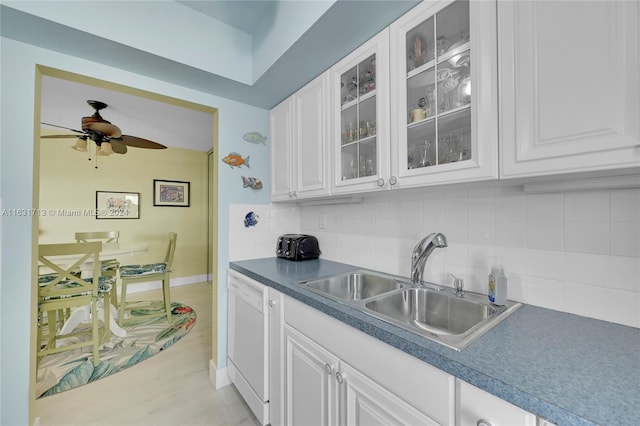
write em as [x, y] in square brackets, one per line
[219, 377]
[173, 282]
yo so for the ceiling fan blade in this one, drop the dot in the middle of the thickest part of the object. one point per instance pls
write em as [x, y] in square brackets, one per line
[62, 127]
[118, 146]
[59, 136]
[139, 142]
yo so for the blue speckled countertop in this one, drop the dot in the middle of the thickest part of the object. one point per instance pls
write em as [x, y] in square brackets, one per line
[567, 369]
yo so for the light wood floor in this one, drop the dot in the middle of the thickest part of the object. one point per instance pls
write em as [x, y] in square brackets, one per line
[171, 388]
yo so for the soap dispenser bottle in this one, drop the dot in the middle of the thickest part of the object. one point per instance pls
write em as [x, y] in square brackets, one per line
[497, 284]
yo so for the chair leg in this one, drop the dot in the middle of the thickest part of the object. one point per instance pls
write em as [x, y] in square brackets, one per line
[114, 294]
[52, 320]
[167, 297]
[123, 298]
[106, 301]
[39, 341]
[95, 332]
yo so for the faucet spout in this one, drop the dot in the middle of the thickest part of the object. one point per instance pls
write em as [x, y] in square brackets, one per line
[421, 253]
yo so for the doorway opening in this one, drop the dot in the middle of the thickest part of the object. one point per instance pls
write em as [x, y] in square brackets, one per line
[78, 180]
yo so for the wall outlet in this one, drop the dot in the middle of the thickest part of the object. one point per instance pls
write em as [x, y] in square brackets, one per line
[322, 220]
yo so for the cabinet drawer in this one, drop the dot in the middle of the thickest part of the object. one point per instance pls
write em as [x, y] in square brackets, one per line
[476, 406]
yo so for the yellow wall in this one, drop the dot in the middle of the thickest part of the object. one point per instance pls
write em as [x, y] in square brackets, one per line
[68, 181]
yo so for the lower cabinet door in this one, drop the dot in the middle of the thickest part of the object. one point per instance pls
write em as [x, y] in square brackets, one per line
[311, 396]
[366, 403]
[477, 407]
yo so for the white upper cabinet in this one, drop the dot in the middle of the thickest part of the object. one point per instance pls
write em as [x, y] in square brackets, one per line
[444, 120]
[569, 86]
[300, 130]
[281, 122]
[360, 107]
[312, 132]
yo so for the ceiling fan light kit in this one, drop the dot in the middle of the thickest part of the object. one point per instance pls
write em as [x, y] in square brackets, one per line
[105, 149]
[107, 137]
[80, 145]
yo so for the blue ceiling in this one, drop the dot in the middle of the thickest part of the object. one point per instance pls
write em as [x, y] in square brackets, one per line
[343, 27]
[244, 15]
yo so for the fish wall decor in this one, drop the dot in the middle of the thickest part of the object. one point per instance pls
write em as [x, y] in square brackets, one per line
[253, 183]
[235, 160]
[250, 219]
[255, 137]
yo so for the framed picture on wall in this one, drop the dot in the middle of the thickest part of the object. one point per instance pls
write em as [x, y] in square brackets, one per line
[171, 193]
[117, 205]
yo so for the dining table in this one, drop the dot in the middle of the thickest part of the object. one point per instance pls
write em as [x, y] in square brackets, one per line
[117, 251]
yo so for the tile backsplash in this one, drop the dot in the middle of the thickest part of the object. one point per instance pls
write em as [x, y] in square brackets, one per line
[259, 240]
[577, 252]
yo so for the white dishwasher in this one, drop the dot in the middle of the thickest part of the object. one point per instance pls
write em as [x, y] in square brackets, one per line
[248, 342]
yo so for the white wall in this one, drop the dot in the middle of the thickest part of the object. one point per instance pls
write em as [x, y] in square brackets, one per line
[577, 252]
[18, 79]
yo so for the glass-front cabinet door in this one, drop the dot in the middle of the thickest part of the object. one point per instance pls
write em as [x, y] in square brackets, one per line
[361, 115]
[444, 92]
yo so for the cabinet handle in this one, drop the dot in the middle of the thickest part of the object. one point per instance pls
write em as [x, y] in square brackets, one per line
[340, 379]
[482, 422]
[393, 180]
[295, 194]
[381, 182]
[328, 369]
[290, 194]
[271, 303]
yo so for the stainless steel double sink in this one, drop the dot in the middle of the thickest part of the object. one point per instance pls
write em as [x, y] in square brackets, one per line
[429, 310]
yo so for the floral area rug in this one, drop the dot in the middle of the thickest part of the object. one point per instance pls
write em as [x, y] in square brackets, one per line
[146, 336]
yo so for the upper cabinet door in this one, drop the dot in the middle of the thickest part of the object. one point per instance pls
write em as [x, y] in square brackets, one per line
[569, 86]
[281, 122]
[360, 107]
[444, 124]
[312, 129]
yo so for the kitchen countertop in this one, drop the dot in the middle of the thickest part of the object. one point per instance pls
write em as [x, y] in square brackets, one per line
[567, 369]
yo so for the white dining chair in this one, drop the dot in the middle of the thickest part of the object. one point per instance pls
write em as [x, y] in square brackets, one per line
[135, 274]
[108, 267]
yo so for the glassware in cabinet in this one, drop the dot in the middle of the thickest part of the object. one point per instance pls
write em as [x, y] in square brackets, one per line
[438, 89]
[360, 95]
[358, 120]
[421, 150]
[454, 137]
[420, 45]
[444, 128]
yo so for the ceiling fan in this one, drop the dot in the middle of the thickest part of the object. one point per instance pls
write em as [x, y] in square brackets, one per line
[107, 137]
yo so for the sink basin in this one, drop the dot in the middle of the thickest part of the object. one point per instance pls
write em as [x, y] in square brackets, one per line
[356, 285]
[436, 312]
[428, 310]
[440, 315]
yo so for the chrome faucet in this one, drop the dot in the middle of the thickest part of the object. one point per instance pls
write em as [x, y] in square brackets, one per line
[421, 253]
